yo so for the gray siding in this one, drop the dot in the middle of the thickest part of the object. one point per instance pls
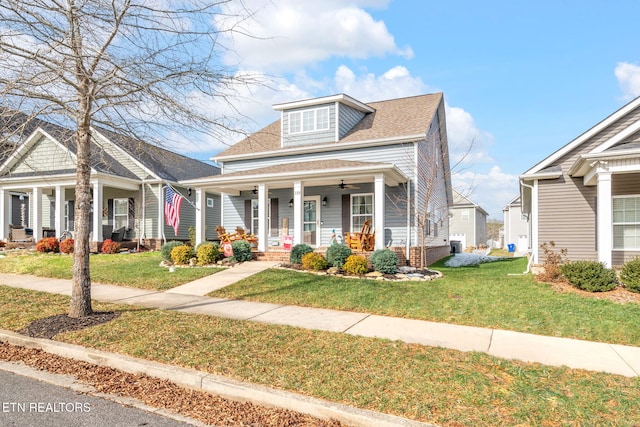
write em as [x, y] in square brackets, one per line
[402, 155]
[481, 228]
[567, 216]
[187, 217]
[123, 158]
[330, 215]
[45, 155]
[348, 118]
[309, 138]
[212, 219]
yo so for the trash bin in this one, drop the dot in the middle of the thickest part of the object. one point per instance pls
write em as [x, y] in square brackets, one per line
[512, 247]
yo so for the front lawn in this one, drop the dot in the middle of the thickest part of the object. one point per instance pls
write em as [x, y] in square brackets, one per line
[137, 270]
[484, 296]
[435, 385]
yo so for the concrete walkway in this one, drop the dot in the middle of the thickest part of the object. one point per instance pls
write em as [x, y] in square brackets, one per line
[553, 351]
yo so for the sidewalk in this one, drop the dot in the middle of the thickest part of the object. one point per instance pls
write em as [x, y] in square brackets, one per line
[553, 351]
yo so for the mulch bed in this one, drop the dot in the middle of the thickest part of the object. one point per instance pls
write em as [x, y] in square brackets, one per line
[619, 295]
[51, 326]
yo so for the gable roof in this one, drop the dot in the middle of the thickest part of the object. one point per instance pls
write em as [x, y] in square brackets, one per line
[391, 120]
[608, 121]
[162, 163]
[461, 201]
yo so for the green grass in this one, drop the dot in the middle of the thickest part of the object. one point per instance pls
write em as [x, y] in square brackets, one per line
[434, 385]
[138, 270]
[484, 296]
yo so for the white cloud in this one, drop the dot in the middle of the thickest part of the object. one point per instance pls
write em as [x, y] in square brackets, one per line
[492, 189]
[397, 82]
[628, 76]
[284, 35]
[467, 144]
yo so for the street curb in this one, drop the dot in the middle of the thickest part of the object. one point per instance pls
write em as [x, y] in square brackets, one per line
[215, 384]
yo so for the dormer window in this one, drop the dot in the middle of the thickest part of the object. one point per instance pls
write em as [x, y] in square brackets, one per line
[309, 120]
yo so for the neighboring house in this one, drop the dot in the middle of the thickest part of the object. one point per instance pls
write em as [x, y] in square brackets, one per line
[516, 226]
[128, 179]
[330, 164]
[585, 197]
[468, 222]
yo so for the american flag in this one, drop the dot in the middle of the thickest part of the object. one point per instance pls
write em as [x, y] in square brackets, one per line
[172, 203]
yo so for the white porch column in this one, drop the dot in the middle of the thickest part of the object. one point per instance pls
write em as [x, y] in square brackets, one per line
[160, 234]
[262, 217]
[97, 211]
[604, 217]
[378, 210]
[59, 224]
[36, 213]
[201, 215]
[534, 223]
[4, 217]
[298, 219]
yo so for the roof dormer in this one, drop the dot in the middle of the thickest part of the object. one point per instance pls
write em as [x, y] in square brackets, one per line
[319, 120]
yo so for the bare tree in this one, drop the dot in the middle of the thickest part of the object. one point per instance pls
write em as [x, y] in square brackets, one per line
[147, 69]
[428, 197]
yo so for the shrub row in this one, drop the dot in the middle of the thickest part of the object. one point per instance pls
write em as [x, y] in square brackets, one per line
[594, 276]
[51, 244]
[180, 253]
[340, 256]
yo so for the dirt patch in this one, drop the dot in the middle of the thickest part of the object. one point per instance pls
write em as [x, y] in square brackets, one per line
[51, 326]
[205, 407]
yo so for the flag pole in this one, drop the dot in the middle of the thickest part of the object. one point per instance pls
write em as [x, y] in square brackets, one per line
[163, 191]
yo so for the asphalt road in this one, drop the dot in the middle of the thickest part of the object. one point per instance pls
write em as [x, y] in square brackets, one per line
[27, 402]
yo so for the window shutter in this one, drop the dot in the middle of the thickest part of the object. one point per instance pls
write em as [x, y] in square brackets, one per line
[132, 213]
[71, 215]
[110, 219]
[275, 221]
[346, 213]
[247, 215]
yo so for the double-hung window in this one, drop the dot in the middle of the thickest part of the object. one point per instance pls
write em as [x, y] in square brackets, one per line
[254, 216]
[626, 222]
[309, 120]
[361, 210]
[120, 213]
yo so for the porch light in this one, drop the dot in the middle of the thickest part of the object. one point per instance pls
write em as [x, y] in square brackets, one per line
[324, 201]
[291, 203]
[255, 189]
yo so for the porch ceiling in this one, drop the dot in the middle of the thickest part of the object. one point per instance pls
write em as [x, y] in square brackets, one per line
[318, 173]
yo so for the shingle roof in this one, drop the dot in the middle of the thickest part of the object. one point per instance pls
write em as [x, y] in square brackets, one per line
[392, 118]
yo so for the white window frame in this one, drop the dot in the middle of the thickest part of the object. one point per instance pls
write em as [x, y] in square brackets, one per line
[464, 215]
[126, 214]
[254, 216]
[209, 202]
[625, 223]
[311, 124]
[352, 215]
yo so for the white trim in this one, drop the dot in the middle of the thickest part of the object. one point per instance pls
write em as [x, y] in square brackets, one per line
[342, 98]
[332, 146]
[626, 132]
[535, 247]
[263, 232]
[315, 129]
[98, 193]
[318, 201]
[3, 213]
[117, 147]
[585, 136]
[605, 217]
[378, 206]
[337, 121]
[298, 195]
[200, 216]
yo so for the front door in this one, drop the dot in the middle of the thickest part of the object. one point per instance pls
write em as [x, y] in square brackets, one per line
[311, 221]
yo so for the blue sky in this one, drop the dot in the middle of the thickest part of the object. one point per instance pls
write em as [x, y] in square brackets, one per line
[520, 79]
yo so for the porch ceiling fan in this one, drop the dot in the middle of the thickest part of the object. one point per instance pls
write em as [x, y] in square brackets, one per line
[343, 186]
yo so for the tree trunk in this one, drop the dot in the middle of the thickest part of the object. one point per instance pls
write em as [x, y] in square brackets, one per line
[81, 292]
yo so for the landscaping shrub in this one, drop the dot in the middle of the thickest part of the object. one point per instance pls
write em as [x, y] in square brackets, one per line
[356, 264]
[110, 247]
[181, 254]
[66, 246]
[298, 251]
[242, 250]
[313, 261]
[48, 244]
[384, 261]
[552, 261]
[589, 276]
[165, 250]
[630, 275]
[337, 254]
[207, 253]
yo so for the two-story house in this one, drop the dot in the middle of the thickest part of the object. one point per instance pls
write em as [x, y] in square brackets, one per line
[468, 223]
[329, 164]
